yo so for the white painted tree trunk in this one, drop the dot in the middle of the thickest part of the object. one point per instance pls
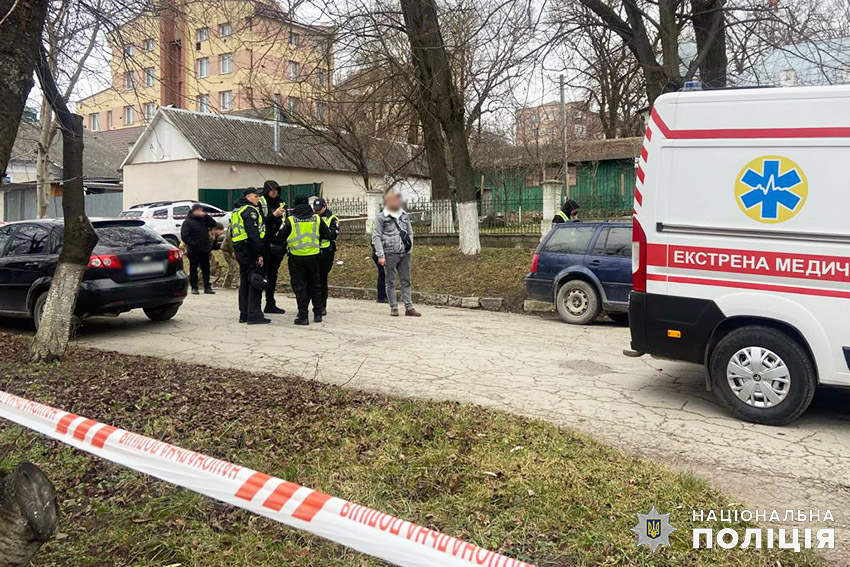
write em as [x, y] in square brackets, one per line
[54, 331]
[442, 216]
[467, 220]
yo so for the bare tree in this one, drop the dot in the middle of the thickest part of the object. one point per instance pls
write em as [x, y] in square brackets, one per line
[70, 36]
[21, 22]
[79, 238]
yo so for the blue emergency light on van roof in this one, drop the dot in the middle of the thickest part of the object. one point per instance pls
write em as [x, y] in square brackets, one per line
[692, 85]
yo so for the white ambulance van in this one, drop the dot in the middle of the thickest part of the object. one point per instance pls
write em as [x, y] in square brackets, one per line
[741, 252]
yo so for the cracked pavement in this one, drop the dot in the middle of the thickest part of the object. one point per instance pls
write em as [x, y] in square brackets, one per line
[534, 366]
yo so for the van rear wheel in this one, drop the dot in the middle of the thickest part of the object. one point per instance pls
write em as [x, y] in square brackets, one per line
[577, 302]
[763, 375]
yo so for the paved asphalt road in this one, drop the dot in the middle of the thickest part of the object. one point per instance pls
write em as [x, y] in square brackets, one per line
[572, 376]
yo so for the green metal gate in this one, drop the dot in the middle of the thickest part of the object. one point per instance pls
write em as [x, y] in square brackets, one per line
[225, 198]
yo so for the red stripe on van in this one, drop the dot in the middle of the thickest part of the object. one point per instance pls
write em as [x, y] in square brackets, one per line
[648, 134]
[752, 285]
[640, 174]
[643, 153]
[744, 133]
[638, 197]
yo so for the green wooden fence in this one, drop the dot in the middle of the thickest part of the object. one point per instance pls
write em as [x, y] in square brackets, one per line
[224, 198]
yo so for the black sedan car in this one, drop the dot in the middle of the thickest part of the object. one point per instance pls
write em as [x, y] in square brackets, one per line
[130, 268]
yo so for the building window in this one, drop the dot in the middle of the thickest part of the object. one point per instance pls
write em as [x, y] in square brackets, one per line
[226, 63]
[150, 110]
[149, 44]
[202, 34]
[203, 67]
[249, 95]
[293, 71]
[129, 115]
[129, 50]
[225, 100]
[225, 29]
[580, 130]
[578, 115]
[321, 76]
[294, 38]
[276, 100]
[94, 122]
[549, 132]
[535, 132]
[293, 104]
[321, 111]
[129, 80]
[109, 120]
[204, 103]
[150, 76]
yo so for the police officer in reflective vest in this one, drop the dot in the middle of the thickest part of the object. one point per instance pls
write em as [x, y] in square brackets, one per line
[328, 247]
[568, 212]
[304, 231]
[273, 210]
[247, 231]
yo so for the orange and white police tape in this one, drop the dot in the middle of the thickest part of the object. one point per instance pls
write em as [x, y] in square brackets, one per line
[369, 531]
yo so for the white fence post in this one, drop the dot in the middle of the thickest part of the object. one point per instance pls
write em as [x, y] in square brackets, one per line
[551, 198]
[374, 203]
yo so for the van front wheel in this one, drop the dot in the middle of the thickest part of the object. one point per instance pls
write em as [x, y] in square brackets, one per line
[763, 375]
[577, 302]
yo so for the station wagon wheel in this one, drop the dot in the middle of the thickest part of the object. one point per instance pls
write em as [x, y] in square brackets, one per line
[577, 302]
[763, 375]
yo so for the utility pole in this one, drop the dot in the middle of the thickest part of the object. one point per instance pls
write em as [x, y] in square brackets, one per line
[564, 139]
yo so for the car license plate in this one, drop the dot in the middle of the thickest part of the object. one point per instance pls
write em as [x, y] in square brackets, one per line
[146, 269]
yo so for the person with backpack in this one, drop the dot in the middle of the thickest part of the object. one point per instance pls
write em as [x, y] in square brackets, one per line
[392, 239]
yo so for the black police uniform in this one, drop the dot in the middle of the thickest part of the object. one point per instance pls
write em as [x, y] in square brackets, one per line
[273, 253]
[327, 255]
[248, 254]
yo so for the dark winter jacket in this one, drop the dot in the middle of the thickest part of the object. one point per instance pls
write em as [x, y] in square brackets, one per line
[249, 250]
[569, 208]
[273, 223]
[195, 232]
[333, 226]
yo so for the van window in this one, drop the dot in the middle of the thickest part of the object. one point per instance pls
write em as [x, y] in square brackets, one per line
[160, 214]
[29, 240]
[614, 241]
[181, 211]
[571, 239]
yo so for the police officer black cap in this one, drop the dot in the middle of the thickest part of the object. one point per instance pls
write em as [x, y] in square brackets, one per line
[250, 190]
[319, 204]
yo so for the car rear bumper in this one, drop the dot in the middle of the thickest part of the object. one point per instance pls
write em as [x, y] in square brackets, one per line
[539, 288]
[106, 296]
[678, 328]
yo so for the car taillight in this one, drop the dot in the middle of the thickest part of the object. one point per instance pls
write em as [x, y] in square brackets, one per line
[638, 257]
[106, 261]
[175, 255]
[534, 260]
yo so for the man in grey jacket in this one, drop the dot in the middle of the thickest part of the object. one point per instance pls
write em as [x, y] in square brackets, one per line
[392, 229]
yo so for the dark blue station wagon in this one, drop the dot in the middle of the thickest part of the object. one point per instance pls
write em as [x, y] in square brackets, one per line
[584, 268]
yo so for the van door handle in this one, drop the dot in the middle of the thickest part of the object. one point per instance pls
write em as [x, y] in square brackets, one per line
[595, 263]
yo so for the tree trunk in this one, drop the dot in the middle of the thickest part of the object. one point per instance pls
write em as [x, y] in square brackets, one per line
[80, 238]
[440, 98]
[29, 514]
[42, 167]
[709, 23]
[20, 37]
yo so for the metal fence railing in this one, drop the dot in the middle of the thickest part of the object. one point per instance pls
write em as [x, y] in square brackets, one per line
[495, 215]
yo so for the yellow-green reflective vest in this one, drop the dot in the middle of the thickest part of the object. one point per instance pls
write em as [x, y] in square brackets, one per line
[303, 239]
[328, 221]
[264, 206]
[563, 215]
[237, 225]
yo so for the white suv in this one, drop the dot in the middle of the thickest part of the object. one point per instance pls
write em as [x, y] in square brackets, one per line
[166, 217]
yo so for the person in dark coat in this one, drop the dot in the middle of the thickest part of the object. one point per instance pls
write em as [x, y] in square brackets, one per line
[568, 212]
[195, 233]
[328, 252]
[274, 213]
[246, 234]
